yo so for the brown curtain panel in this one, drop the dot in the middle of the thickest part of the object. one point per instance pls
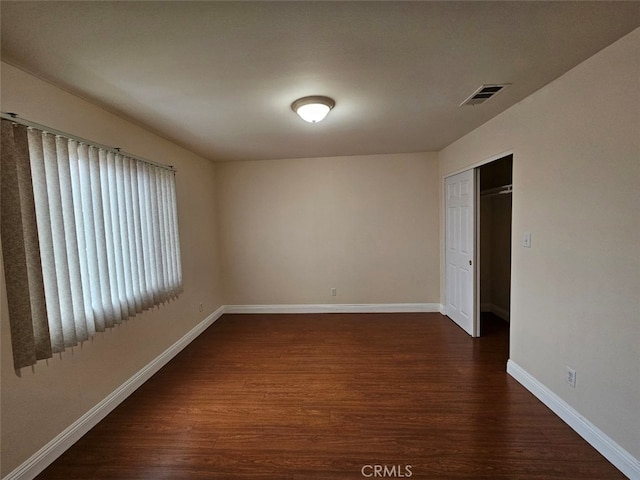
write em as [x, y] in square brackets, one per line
[21, 252]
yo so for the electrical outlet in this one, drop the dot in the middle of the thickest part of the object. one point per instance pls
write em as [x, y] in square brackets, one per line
[571, 377]
[201, 309]
[334, 292]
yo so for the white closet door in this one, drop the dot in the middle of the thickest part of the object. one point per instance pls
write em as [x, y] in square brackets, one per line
[460, 246]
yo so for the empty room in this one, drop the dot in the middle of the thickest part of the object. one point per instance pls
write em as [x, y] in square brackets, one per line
[320, 240]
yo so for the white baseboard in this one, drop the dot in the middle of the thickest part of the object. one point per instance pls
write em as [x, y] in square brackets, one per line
[336, 308]
[503, 313]
[56, 447]
[618, 456]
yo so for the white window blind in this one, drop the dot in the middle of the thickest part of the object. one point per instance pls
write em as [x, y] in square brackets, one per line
[90, 234]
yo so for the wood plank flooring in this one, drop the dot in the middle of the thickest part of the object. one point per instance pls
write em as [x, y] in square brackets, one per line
[293, 397]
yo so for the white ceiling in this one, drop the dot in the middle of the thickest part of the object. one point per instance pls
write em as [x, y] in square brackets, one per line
[219, 77]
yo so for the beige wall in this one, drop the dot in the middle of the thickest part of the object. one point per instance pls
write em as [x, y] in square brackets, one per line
[366, 225]
[42, 403]
[576, 293]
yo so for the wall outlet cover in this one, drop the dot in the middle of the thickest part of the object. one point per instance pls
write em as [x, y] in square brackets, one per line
[571, 377]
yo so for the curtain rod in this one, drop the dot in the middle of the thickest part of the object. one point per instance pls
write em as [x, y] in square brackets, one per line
[15, 118]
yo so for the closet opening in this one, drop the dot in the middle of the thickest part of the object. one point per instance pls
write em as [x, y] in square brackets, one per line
[494, 245]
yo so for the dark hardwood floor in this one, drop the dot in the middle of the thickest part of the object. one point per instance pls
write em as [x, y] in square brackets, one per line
[293, 397]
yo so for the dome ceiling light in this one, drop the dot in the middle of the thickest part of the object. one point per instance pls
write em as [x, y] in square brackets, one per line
[313, 109]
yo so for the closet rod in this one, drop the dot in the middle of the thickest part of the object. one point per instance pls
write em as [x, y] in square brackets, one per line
[503, 190]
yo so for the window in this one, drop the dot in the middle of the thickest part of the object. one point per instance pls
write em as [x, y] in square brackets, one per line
[89, 239]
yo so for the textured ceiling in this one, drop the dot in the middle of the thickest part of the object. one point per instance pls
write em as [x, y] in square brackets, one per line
[219, 77]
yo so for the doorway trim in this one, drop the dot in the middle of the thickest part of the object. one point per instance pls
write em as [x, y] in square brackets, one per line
[480, 163]
[476, 234]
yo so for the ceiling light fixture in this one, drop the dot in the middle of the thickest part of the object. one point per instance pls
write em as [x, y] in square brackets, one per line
[313, 109]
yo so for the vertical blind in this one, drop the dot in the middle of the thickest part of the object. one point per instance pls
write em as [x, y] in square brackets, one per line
[89, 239]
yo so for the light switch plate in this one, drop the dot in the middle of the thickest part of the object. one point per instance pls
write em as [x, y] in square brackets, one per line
[526, 240]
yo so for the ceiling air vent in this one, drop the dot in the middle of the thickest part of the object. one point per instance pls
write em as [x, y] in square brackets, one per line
[484, 93]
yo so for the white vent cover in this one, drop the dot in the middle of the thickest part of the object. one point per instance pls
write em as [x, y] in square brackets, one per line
[484, 93]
